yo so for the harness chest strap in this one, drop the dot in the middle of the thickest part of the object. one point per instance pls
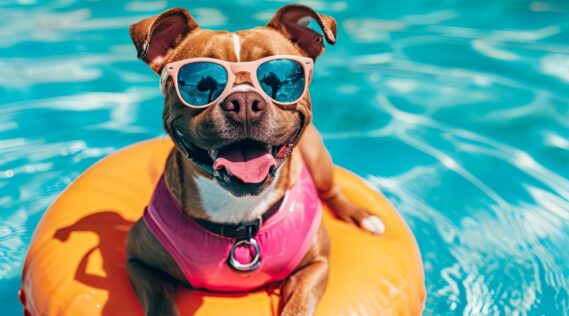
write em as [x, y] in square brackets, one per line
[209, 254]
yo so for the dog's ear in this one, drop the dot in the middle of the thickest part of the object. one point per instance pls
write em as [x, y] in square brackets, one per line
[292, 20]
[155, 36]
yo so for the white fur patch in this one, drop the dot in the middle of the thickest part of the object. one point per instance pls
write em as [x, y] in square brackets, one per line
[237, 46]
[374, 225]
[223, 207]
[243, 87]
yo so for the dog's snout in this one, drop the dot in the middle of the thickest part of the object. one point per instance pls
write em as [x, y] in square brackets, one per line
[244, 106]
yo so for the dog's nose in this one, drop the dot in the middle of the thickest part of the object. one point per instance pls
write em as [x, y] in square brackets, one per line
[244, 106]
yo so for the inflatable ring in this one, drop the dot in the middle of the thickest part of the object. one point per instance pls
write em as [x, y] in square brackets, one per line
[76, 261]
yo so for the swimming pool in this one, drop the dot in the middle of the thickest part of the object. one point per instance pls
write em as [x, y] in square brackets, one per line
[457, 110]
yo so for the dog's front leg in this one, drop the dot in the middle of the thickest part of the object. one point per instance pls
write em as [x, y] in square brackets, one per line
[303, 289]
[321, 168]
[155, 289]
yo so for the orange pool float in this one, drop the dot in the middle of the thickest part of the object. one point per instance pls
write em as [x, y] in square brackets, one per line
[76, 261]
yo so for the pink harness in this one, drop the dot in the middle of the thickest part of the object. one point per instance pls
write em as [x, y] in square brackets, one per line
[281, 242]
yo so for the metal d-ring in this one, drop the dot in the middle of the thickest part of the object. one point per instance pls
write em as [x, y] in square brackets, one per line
[244, 267]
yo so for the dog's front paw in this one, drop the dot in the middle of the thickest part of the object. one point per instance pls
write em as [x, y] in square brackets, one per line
[351, 213]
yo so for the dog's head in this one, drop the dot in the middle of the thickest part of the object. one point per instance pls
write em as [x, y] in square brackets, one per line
[243, 138]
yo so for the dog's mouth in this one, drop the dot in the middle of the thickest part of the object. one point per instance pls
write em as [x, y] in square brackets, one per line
[246, 162]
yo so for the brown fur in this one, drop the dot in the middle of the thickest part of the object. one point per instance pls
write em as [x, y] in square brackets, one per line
[152, 271]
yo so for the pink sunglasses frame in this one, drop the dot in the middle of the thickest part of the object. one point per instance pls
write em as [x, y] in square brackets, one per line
[232, 68]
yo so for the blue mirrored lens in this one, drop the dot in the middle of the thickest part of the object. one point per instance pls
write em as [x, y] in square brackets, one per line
[202, 82]
[282, 79]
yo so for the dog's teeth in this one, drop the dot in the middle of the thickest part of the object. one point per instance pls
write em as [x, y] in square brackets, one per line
[212, 153]
[228, 172]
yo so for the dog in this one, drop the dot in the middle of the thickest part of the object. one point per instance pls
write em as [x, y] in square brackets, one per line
[244, 147]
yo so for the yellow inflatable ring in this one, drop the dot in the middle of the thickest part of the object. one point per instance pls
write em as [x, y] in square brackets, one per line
[76, 261]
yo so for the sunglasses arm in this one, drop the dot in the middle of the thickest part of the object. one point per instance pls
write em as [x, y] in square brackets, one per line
[163, 78]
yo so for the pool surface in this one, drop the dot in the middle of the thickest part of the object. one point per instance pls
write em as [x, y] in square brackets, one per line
[457, 110]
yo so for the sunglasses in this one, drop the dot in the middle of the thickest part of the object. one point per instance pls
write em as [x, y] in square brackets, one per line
[200, 82]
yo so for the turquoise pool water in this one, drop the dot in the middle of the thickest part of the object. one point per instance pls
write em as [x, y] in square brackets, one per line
[457, 110]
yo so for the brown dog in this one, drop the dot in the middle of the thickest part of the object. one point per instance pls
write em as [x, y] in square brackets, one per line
[241, 120]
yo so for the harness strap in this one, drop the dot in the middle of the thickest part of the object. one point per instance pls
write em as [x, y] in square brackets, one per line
[240, 231]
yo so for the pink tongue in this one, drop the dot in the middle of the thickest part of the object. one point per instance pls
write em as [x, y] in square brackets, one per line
[250, 165]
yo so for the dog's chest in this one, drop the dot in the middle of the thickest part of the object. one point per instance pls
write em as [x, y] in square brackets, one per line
[283, 240]
[221, 206]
